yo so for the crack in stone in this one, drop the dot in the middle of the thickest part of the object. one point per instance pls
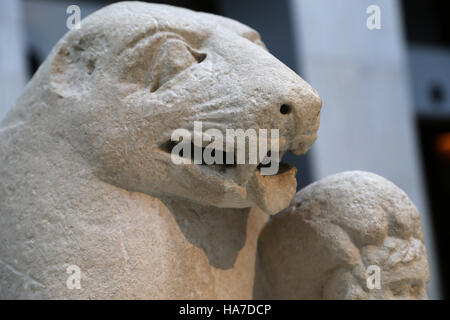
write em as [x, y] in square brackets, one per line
[28, 279]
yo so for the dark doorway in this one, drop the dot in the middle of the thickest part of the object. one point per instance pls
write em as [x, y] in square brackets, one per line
[434, 136]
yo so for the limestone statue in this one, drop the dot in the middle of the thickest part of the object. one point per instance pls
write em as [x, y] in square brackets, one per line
[92, 207]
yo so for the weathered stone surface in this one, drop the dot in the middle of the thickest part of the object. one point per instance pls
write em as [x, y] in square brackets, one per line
[84, 177]
[322, 245]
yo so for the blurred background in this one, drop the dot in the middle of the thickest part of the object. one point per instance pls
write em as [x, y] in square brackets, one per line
[385, 92]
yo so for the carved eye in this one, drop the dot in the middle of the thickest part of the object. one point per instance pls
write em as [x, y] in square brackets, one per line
[174, 56]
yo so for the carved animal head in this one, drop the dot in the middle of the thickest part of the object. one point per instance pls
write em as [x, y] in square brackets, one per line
[134, 72]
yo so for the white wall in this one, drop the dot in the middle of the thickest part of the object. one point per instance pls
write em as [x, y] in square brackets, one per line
[45, 21]
[367, 115]
[12, 54]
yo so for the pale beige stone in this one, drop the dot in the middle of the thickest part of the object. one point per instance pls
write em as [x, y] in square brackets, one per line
[85, 179]
[322, 245]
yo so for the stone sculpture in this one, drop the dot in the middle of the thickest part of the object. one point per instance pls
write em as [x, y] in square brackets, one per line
[86, 178]
[335, 232]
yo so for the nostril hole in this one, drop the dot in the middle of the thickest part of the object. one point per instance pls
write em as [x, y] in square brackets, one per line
[285, 109]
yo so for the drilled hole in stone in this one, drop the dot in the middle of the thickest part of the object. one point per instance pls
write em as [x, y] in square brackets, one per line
[285, 109]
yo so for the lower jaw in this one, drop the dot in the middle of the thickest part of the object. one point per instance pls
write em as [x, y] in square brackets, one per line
[273, 193]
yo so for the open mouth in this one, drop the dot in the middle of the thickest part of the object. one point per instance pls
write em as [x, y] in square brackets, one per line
[228, 158]
[270, 192]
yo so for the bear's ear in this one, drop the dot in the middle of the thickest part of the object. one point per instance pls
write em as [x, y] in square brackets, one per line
[72, 68]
